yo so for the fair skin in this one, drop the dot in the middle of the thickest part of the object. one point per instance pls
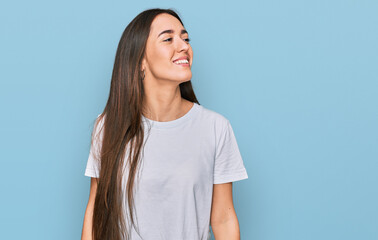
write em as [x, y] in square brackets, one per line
[163, 103]
[163, 100]
[86, 233]
[223, 219]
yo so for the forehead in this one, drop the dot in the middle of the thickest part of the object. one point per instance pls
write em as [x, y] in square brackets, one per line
[163, 22]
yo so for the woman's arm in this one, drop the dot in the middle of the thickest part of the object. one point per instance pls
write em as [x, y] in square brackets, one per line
[86, 233]
[223, 220]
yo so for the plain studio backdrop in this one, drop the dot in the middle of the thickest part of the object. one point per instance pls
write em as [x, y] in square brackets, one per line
[298, 81]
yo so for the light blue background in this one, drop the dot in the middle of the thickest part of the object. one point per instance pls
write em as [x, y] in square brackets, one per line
[298, 81]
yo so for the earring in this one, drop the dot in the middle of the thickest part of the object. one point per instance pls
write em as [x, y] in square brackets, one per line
[144, 75]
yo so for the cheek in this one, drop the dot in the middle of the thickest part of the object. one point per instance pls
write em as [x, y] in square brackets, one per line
[160, 60]
[190, 51]
[191, 55]
[162, 55]
[157, 55]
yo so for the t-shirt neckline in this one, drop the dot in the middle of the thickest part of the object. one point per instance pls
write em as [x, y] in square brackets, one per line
[169, 124]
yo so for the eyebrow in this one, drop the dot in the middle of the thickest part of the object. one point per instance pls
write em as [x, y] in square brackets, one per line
[183, 31]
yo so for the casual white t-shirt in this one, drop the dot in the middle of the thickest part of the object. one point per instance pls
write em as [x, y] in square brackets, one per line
[181, 161]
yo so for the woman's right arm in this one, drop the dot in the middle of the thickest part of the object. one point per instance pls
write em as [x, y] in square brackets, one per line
[86, 233]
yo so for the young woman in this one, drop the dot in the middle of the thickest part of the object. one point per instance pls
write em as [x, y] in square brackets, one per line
[161, 165]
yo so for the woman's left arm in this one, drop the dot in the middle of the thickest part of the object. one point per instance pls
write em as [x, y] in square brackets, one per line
[223, 219]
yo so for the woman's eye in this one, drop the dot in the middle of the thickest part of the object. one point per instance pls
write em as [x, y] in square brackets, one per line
[169, 39]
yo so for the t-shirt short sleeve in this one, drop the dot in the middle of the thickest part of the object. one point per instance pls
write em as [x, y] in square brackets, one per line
[228, 166]
[93, 163]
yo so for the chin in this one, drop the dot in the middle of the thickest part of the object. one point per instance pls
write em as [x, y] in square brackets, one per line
[187, 75]
[186, 79]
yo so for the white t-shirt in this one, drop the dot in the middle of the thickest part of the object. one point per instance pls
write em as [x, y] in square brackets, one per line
[182, 159]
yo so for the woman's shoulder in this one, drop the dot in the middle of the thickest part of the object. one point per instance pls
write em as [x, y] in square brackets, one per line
[213, 117]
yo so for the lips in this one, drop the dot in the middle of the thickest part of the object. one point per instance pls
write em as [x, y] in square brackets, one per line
[181, 58]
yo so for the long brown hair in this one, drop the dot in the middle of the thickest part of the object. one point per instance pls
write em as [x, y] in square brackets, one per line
[122, 129]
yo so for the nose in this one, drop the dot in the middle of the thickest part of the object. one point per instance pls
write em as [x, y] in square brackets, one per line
[182, 45]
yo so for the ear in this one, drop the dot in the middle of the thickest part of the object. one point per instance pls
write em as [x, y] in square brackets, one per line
[143, 65]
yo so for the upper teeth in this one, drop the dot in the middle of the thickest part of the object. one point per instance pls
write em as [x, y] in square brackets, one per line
[181, 61]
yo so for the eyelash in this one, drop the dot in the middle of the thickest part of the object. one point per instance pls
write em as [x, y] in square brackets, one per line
[188, 39]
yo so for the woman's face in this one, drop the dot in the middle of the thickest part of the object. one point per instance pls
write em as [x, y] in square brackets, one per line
[163, 48]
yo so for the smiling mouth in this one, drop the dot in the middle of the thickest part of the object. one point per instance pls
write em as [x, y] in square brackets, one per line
[182, 62]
